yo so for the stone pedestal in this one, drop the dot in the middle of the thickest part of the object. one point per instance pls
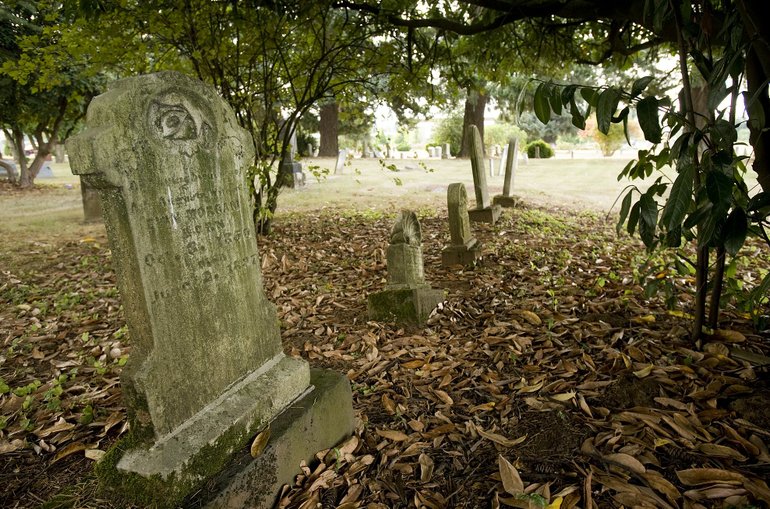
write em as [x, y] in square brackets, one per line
[461, 255]
[505, 201]
[486, 215]
[407, 305]
[321, 418]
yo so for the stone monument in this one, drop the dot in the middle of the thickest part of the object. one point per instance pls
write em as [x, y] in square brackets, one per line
[485, 212]
[207, 372]
[92, 205]
[407, 297]
[511, 162]
[463, 248]
[292, 170]
[339, 166]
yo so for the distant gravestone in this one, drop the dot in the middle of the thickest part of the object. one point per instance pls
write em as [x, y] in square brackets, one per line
[45, 171]
[511, 162]
[407, 297]
[207, 371]
[339, 167]
[485, 212]
[463, 249]
[92, 203]
[292, 170]
[447, 152]
[502, 162]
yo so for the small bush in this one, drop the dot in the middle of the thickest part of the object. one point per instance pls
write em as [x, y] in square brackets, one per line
[545, 149]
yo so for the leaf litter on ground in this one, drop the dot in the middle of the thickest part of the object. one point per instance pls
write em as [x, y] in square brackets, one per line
[546, 378]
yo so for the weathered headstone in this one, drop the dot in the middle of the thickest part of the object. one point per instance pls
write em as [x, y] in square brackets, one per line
[485, 212]
[291, 169]
[447, 152]
[439, 152]
[207, 371]
[407, 297]
[92, 203]
[339, 166]
[511, 162]
[502, 162]
[45, 171]
[463, 249]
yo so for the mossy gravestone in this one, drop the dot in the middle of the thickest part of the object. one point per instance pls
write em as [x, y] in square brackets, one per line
[207, 371]
[407, 297]
[485, 212]
[463, 248]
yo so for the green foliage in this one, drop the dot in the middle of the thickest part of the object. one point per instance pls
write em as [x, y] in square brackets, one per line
[539, 148]
[501, 133]
[449, 130]
[609, 143]
[558, 125]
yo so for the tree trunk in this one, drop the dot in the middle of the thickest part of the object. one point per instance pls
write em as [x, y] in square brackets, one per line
[716, 291]
[475, 103]
[760, 136]
[328, 128]
[58, 153]
[17, 140]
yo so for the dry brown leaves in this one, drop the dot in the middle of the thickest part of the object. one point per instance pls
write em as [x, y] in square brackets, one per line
[546, 379]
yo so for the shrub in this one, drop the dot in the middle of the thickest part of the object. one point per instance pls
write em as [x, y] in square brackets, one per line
[545, 149]
[499, 134]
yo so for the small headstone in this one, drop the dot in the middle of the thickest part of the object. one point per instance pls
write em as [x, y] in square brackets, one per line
[485, 212]
[339, 167]
[407, 297]
[92, 203]
[207, 371]
[447, 151]
[439, 152]
[503, 158]
[463, 249]
[511, 162]
[45, 171]
[292, 170]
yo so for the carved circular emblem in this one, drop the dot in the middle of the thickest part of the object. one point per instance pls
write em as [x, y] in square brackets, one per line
[177, 117]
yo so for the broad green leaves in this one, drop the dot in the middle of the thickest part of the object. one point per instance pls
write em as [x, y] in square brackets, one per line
[647, 112]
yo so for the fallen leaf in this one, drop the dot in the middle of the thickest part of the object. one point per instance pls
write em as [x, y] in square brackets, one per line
[260, 442]
[512, 482]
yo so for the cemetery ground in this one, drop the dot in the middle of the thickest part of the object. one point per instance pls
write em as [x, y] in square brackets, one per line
[548, 378]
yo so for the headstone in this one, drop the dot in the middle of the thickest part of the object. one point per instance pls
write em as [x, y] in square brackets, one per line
[447, 150]
[491, 167]
[292, 170]
[92, 203]
[207, 371]
[503, 159]
[45, 171]
[339, 167]
[463, 249]
[407, 297]
[485, 212]
[439, 152]
[511, 162]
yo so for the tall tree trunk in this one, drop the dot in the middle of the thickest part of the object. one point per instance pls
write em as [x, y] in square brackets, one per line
[329, 117]
[17, 140]
[475, 103]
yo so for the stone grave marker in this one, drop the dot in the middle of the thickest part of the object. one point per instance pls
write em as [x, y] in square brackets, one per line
[502, 162]
[339, 166]
[485, 212]
[512, 161]
[207, 371]
[294, 176]
[463, 249]
[45, 171]
[447, 152]
[92, 205]
[407, 297]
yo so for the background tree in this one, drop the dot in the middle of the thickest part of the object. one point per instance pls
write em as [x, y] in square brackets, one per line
[44, 85]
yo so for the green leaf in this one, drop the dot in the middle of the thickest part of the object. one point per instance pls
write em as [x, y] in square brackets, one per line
[647, 112]
[578, 119]
[710, 227]
[625, 207]
[698, 216]
[590, 95]
[734, 231]
[555, 100]
[633, 217]
[542, 107]
[639, 85]
[605, 108]
[719, 188]
[759, 205]
[649, 211]
[680, 198]
[568, 94]
[724, 134]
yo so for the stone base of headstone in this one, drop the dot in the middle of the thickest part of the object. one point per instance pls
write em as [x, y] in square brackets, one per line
[486, 215]
[317, 421]
[178, 463]
[295, 177]
[404, 305]
[505, 201]
[461, 255]
[92, 203]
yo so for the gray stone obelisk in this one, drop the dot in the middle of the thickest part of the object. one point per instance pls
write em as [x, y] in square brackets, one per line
[463, 249]
[207, 370]
[485, 212]
[507, 199]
